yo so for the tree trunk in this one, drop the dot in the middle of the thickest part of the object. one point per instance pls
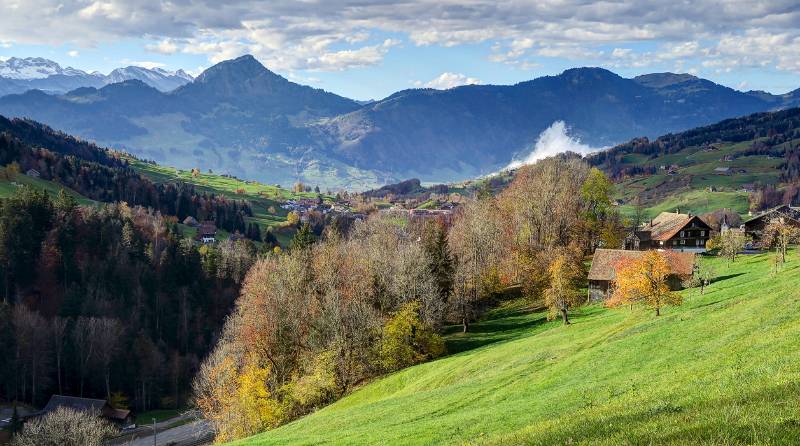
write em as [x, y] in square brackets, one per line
[58, 372]
[465, 324]
[658, 311]
[564, 316]
[108, 385]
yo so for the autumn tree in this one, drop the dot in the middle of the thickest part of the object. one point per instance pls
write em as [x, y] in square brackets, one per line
[565, 274]
[780, 234]
[474, 243]
[704, 273]
[731, 243]
[644, 280]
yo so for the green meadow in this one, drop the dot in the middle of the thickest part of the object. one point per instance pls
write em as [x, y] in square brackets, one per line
[722, 369]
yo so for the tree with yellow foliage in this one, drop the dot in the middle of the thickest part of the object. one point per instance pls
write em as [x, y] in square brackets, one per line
[644, 280]
[563, 293]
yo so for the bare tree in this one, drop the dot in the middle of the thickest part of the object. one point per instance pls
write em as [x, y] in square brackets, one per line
[83, 339]
[58, 331]
[108, 333]
[33, 341]
[65, 427]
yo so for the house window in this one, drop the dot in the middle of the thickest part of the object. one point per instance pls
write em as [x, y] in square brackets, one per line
[683, 242]
[699, 242]
[702, 233]
[682, 233]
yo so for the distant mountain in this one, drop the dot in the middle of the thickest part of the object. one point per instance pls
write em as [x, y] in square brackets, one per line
[18, 75]
[239, 117]
[157, 77]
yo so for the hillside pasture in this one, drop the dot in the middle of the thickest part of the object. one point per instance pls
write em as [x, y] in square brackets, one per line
[723, 368]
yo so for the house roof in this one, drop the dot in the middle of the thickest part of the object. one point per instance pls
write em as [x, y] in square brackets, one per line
[667, 224]
[783, 210]
[85, 405]
[606, 261]
[207, 228]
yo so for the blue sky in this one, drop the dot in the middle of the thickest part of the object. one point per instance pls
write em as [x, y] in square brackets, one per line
[367, 50]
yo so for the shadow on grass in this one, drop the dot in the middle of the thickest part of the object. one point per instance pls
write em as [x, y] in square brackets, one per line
[502, 324]
[729, 276]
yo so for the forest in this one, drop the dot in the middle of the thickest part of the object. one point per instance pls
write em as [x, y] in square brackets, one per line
[109, 301]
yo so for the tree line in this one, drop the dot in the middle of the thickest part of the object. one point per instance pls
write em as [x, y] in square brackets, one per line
[109, 301]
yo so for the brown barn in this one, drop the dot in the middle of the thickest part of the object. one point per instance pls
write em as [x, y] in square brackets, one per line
[102, 407]
[754, 227]
[671, 230]
[605, 262]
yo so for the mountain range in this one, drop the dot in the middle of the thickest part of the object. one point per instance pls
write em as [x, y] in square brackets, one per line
[18, 75]
[240, 118]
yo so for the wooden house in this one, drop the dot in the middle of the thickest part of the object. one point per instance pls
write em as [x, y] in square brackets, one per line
[207, 232]
[605, 262]
[755, 226]
[671, 230]
[121, 417]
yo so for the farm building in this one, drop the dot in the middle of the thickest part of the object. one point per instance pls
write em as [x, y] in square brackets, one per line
[121, 417]
[754, 227]
[605, 262]
[207, 232]
[671, 230]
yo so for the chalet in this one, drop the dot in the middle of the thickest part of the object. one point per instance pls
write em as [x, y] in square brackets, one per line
[207, 232]
[121, 417]
[754, 227]
[671, 230]
[605, 262]
[33, 173]
[191, 222]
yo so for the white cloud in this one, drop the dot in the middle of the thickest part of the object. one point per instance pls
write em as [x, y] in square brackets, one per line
[552, 141]
[448, 80]
[341, 34]
[166, 46]
[73, 53]
[143, 63]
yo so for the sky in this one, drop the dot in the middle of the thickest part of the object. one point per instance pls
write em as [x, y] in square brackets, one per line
[369, 49]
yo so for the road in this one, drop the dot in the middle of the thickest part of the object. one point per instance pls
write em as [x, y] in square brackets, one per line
[192, 432]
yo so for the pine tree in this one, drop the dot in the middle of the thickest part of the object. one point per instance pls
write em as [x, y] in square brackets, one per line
[304, 238]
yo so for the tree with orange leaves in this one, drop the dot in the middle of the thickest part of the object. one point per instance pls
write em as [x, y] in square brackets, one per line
[644, 280]
[565, 273]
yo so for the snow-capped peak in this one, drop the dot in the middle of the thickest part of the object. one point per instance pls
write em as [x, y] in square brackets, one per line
[34, 68]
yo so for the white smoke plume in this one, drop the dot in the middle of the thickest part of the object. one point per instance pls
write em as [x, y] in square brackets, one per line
[552, 141]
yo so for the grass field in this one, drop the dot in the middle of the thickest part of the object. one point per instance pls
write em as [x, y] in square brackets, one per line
[265, 200]
[8, 189]
[723, 368]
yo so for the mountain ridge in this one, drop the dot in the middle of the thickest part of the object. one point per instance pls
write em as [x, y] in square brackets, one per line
[18, 75]
[239, 117]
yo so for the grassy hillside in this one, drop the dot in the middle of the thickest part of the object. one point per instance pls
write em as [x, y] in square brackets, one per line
[695, 185]
[724, 368]
[7, 188]
[265, 199]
